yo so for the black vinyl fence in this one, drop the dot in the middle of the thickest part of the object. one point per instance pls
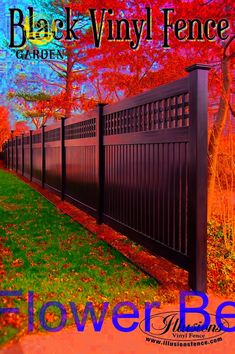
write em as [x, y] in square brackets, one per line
[139, 165]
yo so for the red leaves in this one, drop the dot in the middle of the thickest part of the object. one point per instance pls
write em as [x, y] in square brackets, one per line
[4, 125]
[17, 263]
[66, 266]
[20, 127]
[87, 279]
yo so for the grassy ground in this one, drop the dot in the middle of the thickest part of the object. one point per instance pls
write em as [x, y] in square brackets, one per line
[45, 252]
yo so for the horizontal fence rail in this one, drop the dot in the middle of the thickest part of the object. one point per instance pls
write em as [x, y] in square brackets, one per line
[139, 165]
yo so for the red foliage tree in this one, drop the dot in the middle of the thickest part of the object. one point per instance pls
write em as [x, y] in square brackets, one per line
[116, 71]
[4, 125]
[20, 127]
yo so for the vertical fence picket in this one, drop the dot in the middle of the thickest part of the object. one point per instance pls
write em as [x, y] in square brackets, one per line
[31, 155]
[43, 156]
[12, 149]
[8, 147]
[63, 162]
[22, 154]
[16, 153]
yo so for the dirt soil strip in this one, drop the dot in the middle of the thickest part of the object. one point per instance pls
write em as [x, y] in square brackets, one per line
[167, 274]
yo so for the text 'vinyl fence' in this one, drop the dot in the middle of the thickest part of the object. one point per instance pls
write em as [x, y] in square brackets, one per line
[139, 165]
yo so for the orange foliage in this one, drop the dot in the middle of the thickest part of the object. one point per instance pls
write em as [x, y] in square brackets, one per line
[115, 70]
[4, 125]
[20, 127]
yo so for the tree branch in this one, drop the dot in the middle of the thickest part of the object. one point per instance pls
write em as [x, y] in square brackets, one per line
[207, 2]
[44, 81]
[51, 64]
[227, 45]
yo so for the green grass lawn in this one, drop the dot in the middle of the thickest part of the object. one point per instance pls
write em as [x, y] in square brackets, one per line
[46, 252]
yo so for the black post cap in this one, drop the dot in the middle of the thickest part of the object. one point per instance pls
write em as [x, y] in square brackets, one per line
[198, 67]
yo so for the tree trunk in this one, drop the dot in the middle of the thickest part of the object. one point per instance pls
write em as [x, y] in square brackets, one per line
[69, 83]
[216, 131]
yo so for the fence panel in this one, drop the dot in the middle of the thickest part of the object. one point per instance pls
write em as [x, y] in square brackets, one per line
[80, 160]
[27, 164]
[146, 169]
[36, 156]
[10, 154]
[19, 154]
[53, 159]
[2, 154]
[14, 154]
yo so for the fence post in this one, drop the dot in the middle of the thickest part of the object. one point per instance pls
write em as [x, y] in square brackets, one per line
[99, 163]
[43, 157]
[16, 150]
[22, 154]
[63, 163]
[12, 150]
[197, 213]
[31, 154]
